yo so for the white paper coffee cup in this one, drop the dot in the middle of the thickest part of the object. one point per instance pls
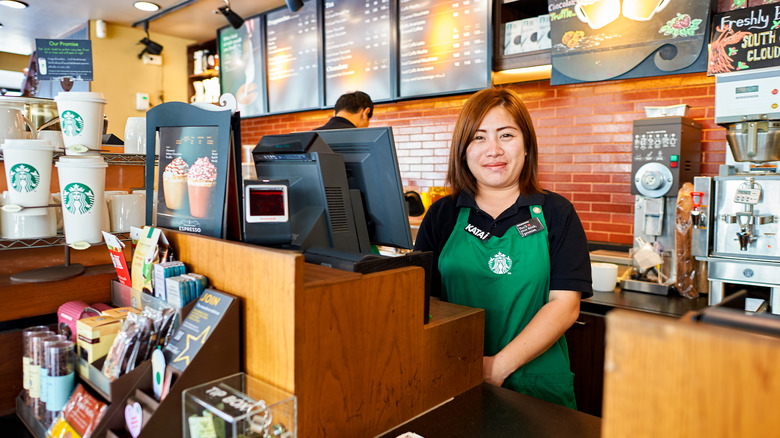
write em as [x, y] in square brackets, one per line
[82, 183]
[604, 276]
[81, 120]
[27, 171]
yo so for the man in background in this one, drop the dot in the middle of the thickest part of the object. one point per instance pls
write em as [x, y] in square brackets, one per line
[352, 110]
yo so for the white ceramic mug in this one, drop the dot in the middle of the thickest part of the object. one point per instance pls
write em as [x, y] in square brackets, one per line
[604, 276]
[135, 135]
[54, 137]
[13, 123]
[127, 210]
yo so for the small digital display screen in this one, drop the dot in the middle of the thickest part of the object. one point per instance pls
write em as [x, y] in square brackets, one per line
[747, 89]
[266, 202]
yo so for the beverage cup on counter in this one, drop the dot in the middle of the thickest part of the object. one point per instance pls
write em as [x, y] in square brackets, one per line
[135, 135]
[604, 276]
[127, 211]
[82, 183]
[597, 13]
[27, 171]
[81, 120]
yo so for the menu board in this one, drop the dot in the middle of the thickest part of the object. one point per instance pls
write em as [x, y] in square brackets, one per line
[358, 49]
[443, 46]
[193, 172]
[597, 40]
[240, 71]
[745, 39]
[292, 50]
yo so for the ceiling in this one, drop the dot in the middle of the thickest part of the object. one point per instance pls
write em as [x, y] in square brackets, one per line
[53, 19]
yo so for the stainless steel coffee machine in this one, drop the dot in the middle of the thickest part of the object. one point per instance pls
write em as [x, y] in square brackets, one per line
[736, 213]
[665, 154]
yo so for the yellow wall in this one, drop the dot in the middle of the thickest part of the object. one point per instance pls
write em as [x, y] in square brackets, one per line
[13, 62]
[119, 74]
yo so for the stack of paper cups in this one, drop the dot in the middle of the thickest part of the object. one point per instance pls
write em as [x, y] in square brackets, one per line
[82, 184]
[28, 171]
[81, 119]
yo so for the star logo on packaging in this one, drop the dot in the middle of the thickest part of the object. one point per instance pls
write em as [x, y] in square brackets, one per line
[24, 178]
[500, 263]
[72, 123]
[78, 198]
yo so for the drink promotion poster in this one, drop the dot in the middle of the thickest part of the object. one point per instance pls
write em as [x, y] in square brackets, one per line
[745, 39]
[596, 40]
[240, 62]
[358, 49]
[443, 46]
[57, 59]
[191, 180]
[293, 66]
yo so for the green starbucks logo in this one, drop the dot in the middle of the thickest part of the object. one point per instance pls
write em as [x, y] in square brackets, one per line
[24, 178]
[78, 198]
[72, 123]
[500, 263]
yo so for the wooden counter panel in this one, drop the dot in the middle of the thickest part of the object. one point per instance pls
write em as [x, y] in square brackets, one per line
[266, 280]
[10, 370]
[23, 300]
[359, 344]
[666, 378]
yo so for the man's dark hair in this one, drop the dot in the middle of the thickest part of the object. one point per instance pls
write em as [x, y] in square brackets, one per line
[354, 102]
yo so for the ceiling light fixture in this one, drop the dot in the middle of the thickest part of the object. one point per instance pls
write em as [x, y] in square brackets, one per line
[14, 4]
[150, 46]
[147, 6]
[234, 19]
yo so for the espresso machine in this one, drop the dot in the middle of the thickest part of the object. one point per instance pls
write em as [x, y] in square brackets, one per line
[666, 153]
[736, 214]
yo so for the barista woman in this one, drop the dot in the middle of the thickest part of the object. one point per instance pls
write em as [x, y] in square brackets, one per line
[503, 244]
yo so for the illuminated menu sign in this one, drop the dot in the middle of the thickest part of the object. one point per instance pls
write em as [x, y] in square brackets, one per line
[241, 66]
[292, 48]
[443, 46]
[358, 49]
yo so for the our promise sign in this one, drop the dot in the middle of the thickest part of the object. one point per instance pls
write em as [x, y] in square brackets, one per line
[745, 39]
[58, 59]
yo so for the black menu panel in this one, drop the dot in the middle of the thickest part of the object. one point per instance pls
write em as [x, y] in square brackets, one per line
[241, 66]
[443, 46]
[358, 49]
[292, 59]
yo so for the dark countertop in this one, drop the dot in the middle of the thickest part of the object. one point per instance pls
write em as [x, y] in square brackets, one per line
[667, 305]
[489, 411]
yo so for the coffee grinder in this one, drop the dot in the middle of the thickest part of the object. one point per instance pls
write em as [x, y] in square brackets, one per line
[736, 213]
[665, 154]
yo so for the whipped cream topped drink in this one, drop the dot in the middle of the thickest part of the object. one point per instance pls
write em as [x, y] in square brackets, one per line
[175, 183]
[201, 180]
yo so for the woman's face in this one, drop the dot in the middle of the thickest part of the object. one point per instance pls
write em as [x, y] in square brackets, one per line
[496, 154]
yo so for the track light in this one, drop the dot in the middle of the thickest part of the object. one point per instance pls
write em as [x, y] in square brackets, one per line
[294, 5]
[150, 46]
[234, 19]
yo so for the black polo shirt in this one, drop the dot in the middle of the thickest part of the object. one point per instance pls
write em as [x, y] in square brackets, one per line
[569, 258]
[336, 123]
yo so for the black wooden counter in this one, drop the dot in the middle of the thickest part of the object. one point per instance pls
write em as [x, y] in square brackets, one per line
[670, 305]
[490, 411]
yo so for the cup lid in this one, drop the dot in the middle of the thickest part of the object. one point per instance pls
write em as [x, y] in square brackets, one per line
[92, 96]
[81, 161]
[27, 144]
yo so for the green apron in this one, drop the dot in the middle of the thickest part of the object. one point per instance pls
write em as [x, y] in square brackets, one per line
[509, 277]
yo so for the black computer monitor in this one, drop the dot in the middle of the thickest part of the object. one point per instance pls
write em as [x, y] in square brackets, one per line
[372, 168]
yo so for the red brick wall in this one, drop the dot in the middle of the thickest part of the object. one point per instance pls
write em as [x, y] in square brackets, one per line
[584, 133]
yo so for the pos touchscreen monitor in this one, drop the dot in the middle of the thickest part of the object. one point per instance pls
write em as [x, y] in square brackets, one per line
[372, 168]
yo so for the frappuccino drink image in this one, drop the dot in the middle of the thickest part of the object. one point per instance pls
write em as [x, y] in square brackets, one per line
[201, 179]
[175, 183]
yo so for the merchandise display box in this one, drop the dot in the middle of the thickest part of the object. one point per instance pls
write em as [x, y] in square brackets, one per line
[239, 405]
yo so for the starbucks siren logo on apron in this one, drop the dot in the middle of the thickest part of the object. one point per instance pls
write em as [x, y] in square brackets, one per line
[500, 263]
[72, 123]
[78, 198]
[24, 178]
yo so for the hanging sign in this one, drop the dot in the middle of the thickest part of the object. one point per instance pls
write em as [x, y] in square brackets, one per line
[58, 59]
[745, 39]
